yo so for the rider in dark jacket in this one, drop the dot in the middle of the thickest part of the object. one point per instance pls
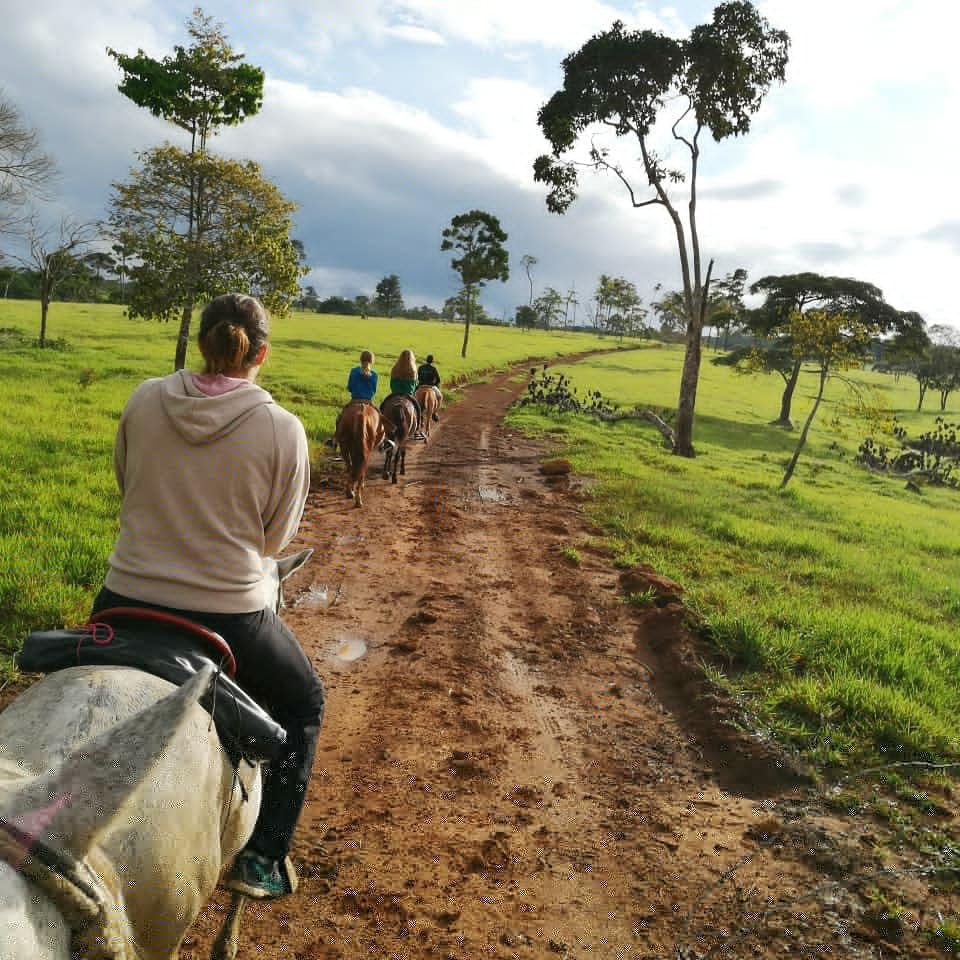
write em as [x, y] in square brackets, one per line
[427, 375]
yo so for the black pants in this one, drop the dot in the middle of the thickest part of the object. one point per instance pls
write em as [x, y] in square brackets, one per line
[274, 670]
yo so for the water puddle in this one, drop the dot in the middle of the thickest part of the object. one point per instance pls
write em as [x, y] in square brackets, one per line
[315, 596]
[493, 495]
[349, 650]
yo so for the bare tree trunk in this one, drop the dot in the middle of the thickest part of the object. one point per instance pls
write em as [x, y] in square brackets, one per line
[183, 337]
[690, 377]
[786, 401]
[923, 391]
[466, 325]
[44, 307]
[683, 445]
[791, 466]
[193, 238]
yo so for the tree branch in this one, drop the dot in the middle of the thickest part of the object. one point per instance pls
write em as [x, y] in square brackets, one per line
[678, 121]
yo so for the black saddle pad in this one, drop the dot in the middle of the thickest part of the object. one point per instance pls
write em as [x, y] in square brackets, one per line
[245, 728]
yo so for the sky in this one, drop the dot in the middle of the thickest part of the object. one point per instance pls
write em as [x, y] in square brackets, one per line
[382, 119]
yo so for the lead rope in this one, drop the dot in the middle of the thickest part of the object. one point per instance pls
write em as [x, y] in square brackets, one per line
[100, 641]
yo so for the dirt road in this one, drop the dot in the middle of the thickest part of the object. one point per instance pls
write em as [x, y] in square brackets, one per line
[499, 774]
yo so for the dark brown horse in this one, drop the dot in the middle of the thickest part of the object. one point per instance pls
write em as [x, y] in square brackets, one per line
[359, 432]
[430, 399]
[400, 424]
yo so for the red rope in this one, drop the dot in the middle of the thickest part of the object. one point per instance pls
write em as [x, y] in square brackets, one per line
[92, 629]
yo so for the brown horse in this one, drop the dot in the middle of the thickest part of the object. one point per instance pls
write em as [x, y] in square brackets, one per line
[430, 399]
[359, 432]
[400, 423]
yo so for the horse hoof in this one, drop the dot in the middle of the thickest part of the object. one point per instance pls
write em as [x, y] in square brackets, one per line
[349, 494]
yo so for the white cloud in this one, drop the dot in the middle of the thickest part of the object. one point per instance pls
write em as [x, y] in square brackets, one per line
[846, 169]
[502, 114]
[415, 34]
[497, 23]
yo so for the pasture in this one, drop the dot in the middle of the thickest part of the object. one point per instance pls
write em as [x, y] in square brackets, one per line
[58, 496]
[835, 605]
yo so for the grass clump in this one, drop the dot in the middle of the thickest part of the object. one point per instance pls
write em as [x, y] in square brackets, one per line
[571, 555]
[946, 936]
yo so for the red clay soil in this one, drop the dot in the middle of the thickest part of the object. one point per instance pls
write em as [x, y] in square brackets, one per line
[513, 764]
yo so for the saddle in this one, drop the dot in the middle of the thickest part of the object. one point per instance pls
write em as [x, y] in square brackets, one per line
[172, 648]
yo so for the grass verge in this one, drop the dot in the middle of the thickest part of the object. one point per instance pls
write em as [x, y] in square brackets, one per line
[833, 606]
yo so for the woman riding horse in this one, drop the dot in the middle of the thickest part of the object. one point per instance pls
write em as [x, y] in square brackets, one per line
[214, 478]
[403, 383]
[362, 386]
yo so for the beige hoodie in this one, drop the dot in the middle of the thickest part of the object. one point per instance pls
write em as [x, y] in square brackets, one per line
[211, 486]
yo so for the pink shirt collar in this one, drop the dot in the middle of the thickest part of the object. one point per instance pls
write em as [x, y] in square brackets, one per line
[216, 384]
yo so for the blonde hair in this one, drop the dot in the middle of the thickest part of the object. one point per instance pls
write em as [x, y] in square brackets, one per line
[233, 328]
[366, 360]
[406, 366]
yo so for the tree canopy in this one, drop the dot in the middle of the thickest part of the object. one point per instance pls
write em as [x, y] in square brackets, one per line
[240, 239]
[200, 87]
[788, 297]
[627, 81]
[388, 297]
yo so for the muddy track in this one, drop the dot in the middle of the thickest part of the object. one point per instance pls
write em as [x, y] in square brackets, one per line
[507, 768]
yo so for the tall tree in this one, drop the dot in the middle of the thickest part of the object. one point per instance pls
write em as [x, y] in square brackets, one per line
[908, 353]
[790, 295]
[548, 307]
[834, 341]
[526, 317]
[54, 253]
[199, 89]
[945, 363]
[726, 310]
[239, 238]
[669, 311]
[570, 301]
[527, 261]
[715, 80]
[24, 168]
[101, 263]
[478, 237]
[388, 297]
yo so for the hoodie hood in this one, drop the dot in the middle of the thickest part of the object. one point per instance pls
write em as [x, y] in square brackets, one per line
[199, 418]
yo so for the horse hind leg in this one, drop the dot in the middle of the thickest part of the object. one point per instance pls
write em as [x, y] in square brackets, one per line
[358, 484]
[348, 466]
[225, 947]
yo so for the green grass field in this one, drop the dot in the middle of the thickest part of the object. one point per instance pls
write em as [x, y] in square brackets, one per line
[835, 604]
[58, 497]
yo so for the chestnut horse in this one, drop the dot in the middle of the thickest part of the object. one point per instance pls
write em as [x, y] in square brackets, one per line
[430, 399]
[400, 423]
[359, 432]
